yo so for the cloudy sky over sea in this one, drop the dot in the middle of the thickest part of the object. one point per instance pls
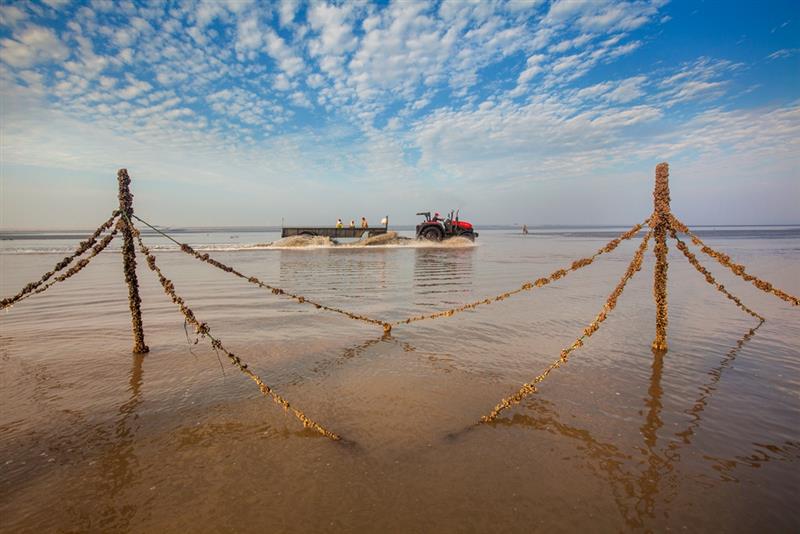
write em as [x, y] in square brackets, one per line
[244, 113]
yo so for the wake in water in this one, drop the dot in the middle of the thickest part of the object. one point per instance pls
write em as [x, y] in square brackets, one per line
[387, 240]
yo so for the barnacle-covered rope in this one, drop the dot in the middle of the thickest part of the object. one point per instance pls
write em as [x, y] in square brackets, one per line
[129, 262]
[203, 330]
[275, 290]
[387, 326]
[530, 387]
[78, 267]
[735, 268]
[527, 286]
[709, 277]
[660, 223]
[84, 246]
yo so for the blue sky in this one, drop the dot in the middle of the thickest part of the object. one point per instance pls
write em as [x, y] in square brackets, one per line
[246, 113]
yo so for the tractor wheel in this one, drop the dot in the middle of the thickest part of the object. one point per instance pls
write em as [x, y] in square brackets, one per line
[432, 233]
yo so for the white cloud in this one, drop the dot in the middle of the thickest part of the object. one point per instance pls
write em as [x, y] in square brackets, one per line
[568, 44]
[334, 27]
[315, 80]
[595, 90]
[301, 100]
[207, 11]
[282, 83]
[287, 12]
[56, 4]
[602, 15]
[248, 36]
[544, 138]
[532, 68]
[286, 59]
[626, 90]
[10, 15]
[704, 78]
[133, 89]
[107, 82]
[125, 56]
[32, 46]
[487, 92]
[783, 53]
[124, 37]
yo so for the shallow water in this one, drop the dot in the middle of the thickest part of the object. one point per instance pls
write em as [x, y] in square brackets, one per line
[707, 437]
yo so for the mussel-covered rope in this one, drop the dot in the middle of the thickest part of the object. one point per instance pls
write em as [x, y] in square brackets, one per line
[709, 277]
[253, 280]
[540, 282]
[735, 268]
[78, 267]
[83, 247]
[530, 387]
[387, 326]
[203, 330]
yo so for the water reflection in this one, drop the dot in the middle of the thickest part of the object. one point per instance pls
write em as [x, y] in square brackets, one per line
[642, 481]
[328, 366]
[442, 271]
[355, 273]
[708, 389]
[119, 466]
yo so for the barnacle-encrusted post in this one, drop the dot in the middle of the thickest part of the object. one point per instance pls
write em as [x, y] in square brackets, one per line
[660, 223]
[129, 258]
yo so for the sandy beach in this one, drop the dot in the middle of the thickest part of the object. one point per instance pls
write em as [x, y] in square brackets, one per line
[704, 438]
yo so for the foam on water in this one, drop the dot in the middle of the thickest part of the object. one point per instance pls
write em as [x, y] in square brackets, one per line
[387, 240]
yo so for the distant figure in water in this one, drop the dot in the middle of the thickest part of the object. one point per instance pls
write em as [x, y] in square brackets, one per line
[525, 229]
[364, 223]
[352, 223]
[339, 223]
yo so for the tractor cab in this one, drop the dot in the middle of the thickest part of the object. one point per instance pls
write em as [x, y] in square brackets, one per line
[436, 229]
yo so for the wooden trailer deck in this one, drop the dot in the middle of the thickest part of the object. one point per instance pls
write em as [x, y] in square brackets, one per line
[332, 231]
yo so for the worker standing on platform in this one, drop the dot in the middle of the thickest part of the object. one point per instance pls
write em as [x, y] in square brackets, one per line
[364, 223]
[339, 223]
[352, 223]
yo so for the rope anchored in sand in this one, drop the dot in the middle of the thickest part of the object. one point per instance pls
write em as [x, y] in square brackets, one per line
[253, 280]
[387, 326]
[203, 330]
[527, 286]
[83, 247]
[530, 387]
[78, 267]
[662, 223]
[709, 278]
[735, 268]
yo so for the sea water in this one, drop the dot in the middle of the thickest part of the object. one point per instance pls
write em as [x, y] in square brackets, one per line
[705, 437]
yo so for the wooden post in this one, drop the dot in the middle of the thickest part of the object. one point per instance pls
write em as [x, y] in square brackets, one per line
[660, 224]
[129, 259]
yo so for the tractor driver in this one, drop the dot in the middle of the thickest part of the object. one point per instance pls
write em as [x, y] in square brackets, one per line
[436, 217]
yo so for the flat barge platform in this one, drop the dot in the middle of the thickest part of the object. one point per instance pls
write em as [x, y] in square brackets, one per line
[334, 232]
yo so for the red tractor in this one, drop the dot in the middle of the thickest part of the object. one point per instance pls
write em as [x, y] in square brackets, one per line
[435, 228]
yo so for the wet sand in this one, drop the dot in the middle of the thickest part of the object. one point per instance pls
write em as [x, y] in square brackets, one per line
[705, 438]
